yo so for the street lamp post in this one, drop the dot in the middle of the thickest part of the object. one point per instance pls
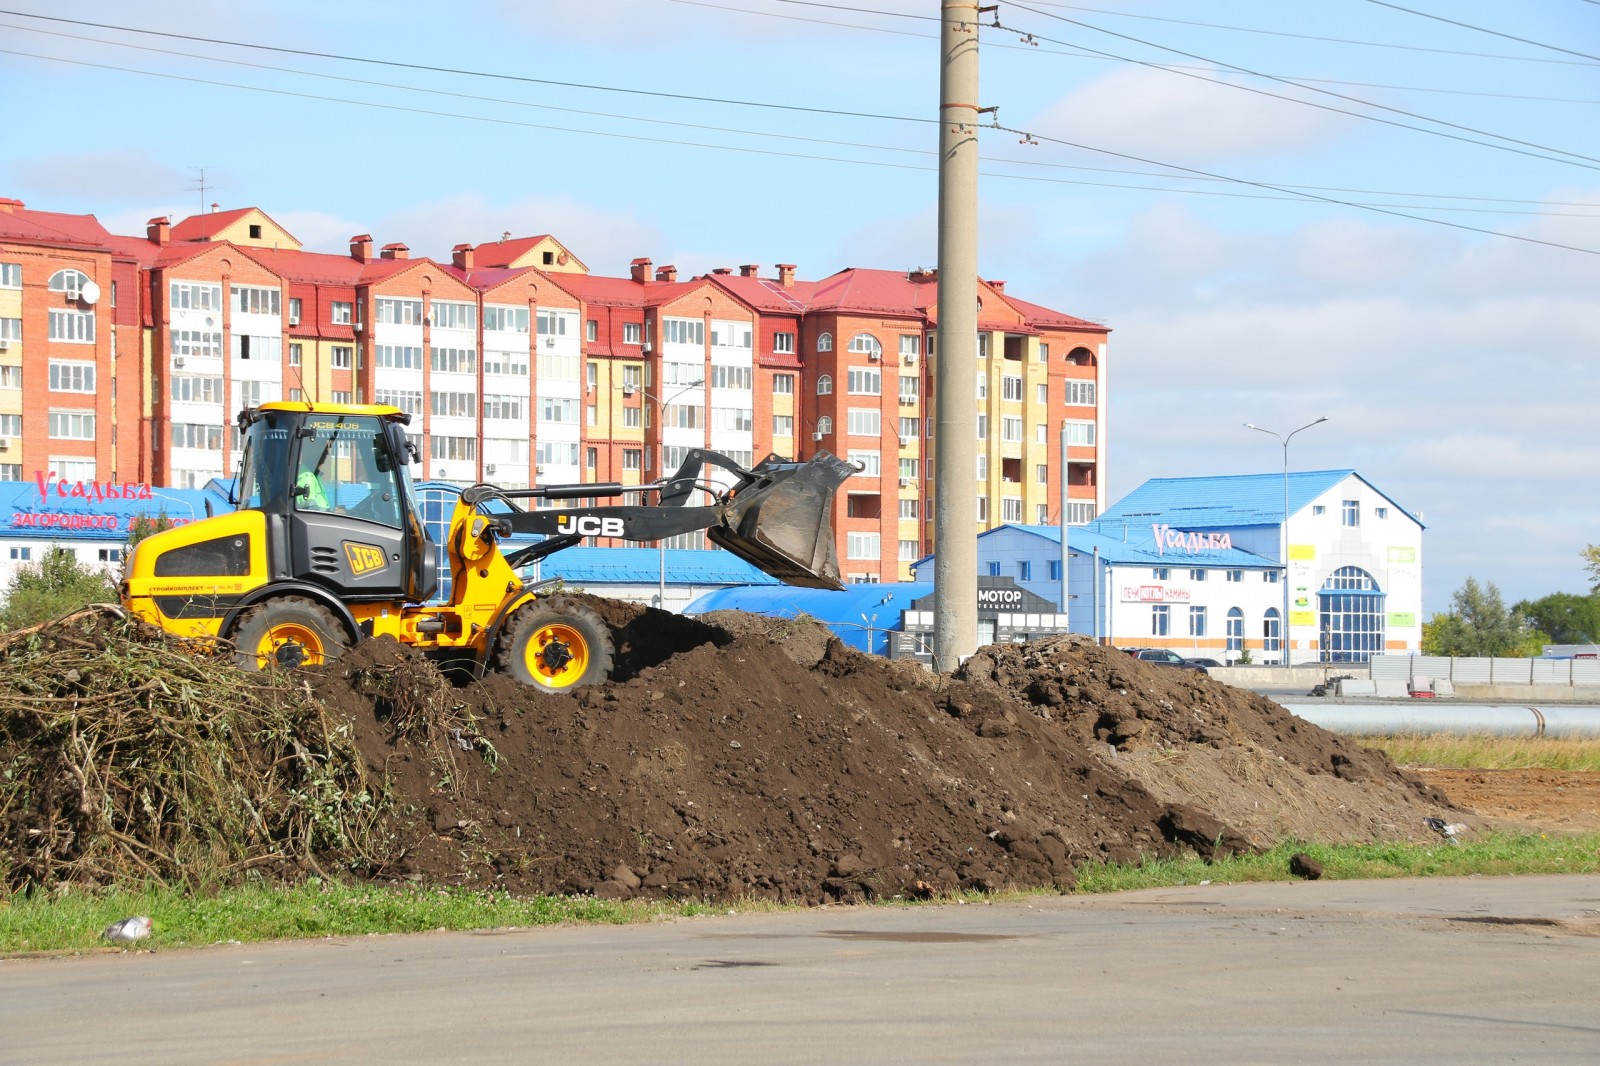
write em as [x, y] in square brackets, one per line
[1283, 533]
[661, 470]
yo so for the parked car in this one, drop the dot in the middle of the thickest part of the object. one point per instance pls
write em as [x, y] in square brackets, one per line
[1165, 657]
[1207, 663]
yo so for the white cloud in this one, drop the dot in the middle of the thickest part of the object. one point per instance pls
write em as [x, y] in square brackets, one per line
[117, 175]
[1161, 114]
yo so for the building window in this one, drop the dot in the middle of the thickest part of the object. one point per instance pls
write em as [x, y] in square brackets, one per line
[824, 425]
[783, 384]
[1197, 575]
[71, 377]
[861, 545]
[1269, 576]
[783, 343]
[294, 310]
[825, 385]
[1160, 620]
[783, 425]
[869, 462]
[909, 550]
[983, 509]
[591, 331]
[983, 427]
[10, 275]
[1351, 616]
[1011, 429]
[257, 300]
[72, 425]
[910, 389]
[1271, 633]
[983, 386]
[1197, 621]
[71, 327]
[632, 458]
[1041, 394]
[824, 342]
[630, 418]
[1011, 388]
[1010, 509]
[994, 569]
[1041, 514]
[1055, 569]
[296, 353]
[1080, 433]
[10, 377]
[451, 360]
[864, 422]
[1351, 512]
[908, 470]
[1079, 513]
[1234, 575]
[340, 358]
[1318, 509]
[21, 555]
[339, 312]
[908, 509]
[1080, 393]
[1380, 512]
[1235, 629]
[866, 344]
[10, 329]
[863, 382]
[911, 428]
[1024, 570]
[1159, 573]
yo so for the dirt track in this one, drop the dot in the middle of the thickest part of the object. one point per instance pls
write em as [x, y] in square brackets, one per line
[1552, 800]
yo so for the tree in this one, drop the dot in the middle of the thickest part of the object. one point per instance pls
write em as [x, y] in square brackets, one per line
[1567, 618]
[1591, 563]
[55, 585]
[1478, 623]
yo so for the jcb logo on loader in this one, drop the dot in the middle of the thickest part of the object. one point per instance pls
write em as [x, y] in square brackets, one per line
[364, 558]
[590, 526]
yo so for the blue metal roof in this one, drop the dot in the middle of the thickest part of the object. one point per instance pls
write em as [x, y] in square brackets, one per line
[1226, 500]
[1138, 547]
[641, 566]
[854, 613]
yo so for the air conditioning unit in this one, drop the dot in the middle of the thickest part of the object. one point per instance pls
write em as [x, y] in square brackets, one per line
[294, 320]
[908, 401]
[549, 342]
[488, 471]
[905, 482]
[873, 357]
[538, 470]
[905, 442]
[5, 344]
[5, 445]
[909, 359]
[645, 347]
[177, 362]
[629, 390]
[816, 436]
[356, 327]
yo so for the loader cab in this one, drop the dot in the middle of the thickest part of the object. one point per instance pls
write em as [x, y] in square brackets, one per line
[334, 485]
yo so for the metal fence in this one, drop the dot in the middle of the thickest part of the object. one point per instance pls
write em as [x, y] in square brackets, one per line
[1486, 671]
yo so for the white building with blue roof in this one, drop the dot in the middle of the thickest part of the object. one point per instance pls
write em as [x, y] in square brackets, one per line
[1211, 551]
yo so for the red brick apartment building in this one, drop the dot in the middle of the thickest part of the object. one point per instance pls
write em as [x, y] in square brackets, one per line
[125, 359]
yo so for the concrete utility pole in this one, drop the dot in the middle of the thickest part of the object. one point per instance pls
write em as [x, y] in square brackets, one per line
[955, 445]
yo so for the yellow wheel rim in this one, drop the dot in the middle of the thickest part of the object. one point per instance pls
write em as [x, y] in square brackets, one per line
[558, 655]
[288, 636]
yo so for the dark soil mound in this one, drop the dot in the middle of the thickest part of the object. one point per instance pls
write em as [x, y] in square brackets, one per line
[739, 756]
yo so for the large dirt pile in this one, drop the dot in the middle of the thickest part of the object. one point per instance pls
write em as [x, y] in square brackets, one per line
[740, 756]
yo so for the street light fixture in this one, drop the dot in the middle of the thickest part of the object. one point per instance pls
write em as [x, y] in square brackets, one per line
[1283, 533]
[661, 470]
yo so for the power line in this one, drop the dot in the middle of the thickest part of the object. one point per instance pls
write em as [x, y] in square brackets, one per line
[1301, 36]
[1291, 193]
[469, 73]
[1588, 162]
[1304, 195]
[1484, 29]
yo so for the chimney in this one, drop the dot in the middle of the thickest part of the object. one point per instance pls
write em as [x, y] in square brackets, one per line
[750, 270]
[9, 206]
[998, 286]
[667, 274]
[396, 251]
[361, 248]
[921, 274]
[461, 256]
[215, 208]
[722, 270]
[786, 275]
[641, 270]
[159, 230]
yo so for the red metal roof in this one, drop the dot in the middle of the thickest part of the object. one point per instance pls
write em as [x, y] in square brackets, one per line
[53, 227]
[206, 226]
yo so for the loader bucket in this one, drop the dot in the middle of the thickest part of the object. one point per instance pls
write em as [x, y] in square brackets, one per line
[782, 524]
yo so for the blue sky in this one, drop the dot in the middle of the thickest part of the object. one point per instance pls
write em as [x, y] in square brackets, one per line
[1456, 368]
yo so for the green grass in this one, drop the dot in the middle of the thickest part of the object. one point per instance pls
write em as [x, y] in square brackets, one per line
[1485, 752]
[66, 922]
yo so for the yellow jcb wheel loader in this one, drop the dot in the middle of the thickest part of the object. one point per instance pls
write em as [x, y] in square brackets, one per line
[327, 547]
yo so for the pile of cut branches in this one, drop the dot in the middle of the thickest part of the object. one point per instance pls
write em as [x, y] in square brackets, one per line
[126, 755]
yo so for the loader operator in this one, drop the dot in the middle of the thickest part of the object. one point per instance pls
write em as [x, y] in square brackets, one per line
[308, 485]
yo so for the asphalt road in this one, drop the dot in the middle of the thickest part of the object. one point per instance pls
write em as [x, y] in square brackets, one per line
[1436, 971]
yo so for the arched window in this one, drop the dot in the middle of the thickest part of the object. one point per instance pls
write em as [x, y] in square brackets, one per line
[1350, 616]
[825, 385]
[866, 344]
[1080, 357]
[1235, 629]
[824, 342]
[71, 282]
[1271, 632]
[824, 426]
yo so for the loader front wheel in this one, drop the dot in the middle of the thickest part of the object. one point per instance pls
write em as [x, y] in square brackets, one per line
[290, 631]
[556, 646]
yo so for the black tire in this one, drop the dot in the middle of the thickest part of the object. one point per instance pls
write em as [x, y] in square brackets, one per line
[289, 631]
[556, 645]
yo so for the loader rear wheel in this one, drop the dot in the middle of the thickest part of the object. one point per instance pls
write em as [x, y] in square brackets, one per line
[291, 631]
[556, 646]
